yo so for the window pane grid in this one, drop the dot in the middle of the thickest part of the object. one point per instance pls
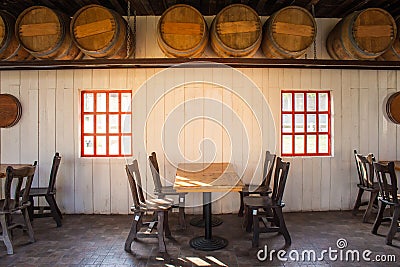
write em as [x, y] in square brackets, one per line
[92, 142]
[302, 137]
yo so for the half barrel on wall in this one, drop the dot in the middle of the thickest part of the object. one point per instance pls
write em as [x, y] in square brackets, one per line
[182, 32]
[45, 34]
[236, 32]
[364, 34]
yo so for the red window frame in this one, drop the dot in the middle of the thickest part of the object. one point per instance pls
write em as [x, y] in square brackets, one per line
[305, 112]
[107, 112]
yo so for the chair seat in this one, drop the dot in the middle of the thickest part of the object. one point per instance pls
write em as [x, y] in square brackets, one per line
[390, 203]
[261, 202]
[257, 189]
[38, 191]
[168, 190]
[374, 187]
[156, 204]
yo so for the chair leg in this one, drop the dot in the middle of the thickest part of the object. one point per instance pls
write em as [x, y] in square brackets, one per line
[28, 225]
[53, 206]
[256, 228]
[358, 201]
[31, 207]
[133, 232]
[166, 225]
[160, 232]
[371, 201]
[241, 209]
[249, 219]
[181, 213]
[282, 227]
[6, 235]
[379, 217]
[393, 226]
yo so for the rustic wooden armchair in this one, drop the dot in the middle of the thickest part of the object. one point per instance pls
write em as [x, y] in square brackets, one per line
[388, 196]
[274, 222]
[48, 193]
[139, 228]
[162, 191]
[14, 203]
[366, 174]
[263, 189]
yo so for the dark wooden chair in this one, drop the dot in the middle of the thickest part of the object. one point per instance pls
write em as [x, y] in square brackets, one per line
[388, 196]
[263, 189]
[14, 203]
[162, 191]
[366, 174]
[48, 193]
[274, 222]
[139, 228]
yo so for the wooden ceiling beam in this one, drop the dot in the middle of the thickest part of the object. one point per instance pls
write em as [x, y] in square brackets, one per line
[260, 6]
[117, 6]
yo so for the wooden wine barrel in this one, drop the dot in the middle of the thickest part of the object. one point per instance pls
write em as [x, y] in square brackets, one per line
[45, 34]
[288, 33]
[236, 31]
[393, 107]
[393, 53]
[10, 110]
[182, 32]
[364, 34]
[101, 32]
[10, 48]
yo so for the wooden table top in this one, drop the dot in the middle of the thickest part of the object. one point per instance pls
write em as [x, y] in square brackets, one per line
[396, 163]
[207, 177]
[3, 168]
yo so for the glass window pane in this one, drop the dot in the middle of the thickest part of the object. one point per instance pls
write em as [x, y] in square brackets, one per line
[113, 124]
[311, 144]
[323, 122]
[311, 101]
[88, 124]
[311, 123]
[323, 143]
[299, 144]
[113, 102]
[101, 102]
[101, 124]
[126, 102]
[286, 123]
[88, 145]
[286, 102]
[299, 123]
[88, 102]
[114, 145]
[323, 101]
[126, 145]
[298, 102]
[126, 121]
[101, 145]
[287, 144]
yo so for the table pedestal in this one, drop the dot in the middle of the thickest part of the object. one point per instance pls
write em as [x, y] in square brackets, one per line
[208, 242]
[200, 221]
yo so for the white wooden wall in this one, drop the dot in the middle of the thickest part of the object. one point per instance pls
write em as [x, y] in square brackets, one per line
[51, 122]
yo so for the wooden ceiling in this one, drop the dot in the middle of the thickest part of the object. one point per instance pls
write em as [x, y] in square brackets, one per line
[323, 8]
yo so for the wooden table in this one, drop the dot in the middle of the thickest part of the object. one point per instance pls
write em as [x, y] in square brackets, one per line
[3, 168]
[207, 178]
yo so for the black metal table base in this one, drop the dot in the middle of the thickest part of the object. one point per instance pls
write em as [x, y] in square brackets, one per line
[199, 221]
[201, 243]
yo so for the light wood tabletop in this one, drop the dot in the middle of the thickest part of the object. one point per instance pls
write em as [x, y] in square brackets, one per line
[3, 168]
[207, 177]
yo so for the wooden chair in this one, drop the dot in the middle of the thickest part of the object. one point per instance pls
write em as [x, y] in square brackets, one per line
[365, 170]
[263, 189]
[15, 203]
[162, 191]
[48, 193]
[139, 228]
[388, 196]
[276, 221]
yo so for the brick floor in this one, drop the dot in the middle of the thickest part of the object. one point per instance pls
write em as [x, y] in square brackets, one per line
[98, 240]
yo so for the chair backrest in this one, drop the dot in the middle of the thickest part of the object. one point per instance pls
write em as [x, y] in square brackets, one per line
[53, 173]
[135, 182]
[155, 172]
[268, 168]
[13, 192]
[365, 169]
[280, 177]
[386, 176]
